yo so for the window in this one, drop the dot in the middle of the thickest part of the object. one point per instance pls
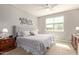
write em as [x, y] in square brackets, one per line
[55, 24]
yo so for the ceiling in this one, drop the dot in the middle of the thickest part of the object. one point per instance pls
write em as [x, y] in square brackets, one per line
[45, 9]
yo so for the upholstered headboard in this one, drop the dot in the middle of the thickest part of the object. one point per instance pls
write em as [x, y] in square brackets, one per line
[17, 29]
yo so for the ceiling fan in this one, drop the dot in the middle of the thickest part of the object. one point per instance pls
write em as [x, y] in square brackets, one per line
[48, 6]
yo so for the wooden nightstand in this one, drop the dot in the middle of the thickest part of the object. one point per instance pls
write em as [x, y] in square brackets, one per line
[7, 44]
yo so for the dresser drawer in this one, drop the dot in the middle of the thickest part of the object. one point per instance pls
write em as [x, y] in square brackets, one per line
[7, 44]
[2, 42]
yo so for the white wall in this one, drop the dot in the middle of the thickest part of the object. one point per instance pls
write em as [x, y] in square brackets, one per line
[9, 16]
[71, 20]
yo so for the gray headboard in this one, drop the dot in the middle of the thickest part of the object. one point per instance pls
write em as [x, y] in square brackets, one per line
[17, 29]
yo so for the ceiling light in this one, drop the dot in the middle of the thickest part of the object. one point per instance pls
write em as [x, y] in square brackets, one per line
[50, 6]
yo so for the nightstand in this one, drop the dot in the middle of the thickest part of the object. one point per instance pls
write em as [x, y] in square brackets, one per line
[7, 44]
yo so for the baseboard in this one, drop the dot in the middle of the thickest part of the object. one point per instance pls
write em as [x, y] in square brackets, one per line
[63, 40]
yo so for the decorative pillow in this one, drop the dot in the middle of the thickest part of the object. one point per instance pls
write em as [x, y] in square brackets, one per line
[33, 33]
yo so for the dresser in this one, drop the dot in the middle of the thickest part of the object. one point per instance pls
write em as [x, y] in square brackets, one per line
[75, 42]
[7, 44]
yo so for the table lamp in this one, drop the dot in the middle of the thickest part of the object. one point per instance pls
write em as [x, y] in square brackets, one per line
[5, 32]
[77, 30]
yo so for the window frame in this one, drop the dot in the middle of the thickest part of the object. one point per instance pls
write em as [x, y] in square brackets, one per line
[53, 24]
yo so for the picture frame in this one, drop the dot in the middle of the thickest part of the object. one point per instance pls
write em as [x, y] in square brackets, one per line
[25, 21]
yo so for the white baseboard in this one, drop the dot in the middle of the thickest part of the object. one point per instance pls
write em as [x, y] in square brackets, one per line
[62, 40]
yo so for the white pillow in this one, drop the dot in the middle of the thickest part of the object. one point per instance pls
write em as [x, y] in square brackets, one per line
[20, 33]
[35, 32]
[26, 33]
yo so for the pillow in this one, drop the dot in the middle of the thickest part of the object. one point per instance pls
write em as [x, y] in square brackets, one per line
[33, 32]
[20, 33]
[26, 33]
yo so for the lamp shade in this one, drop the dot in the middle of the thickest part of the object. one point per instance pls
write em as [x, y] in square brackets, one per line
[5, 30]
[77, 28]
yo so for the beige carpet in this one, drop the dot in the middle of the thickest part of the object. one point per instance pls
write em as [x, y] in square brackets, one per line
[55, 49]
[61, 49]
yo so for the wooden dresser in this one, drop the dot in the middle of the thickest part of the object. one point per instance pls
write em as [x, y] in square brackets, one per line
[75, 42]
[7, 44]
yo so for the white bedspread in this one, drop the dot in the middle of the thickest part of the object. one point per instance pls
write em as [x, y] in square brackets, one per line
[36, 44]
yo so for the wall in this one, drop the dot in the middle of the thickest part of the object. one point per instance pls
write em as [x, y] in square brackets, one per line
[71, 20]
[9, 16]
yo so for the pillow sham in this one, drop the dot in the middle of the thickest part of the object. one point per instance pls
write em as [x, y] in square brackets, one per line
[20, 33]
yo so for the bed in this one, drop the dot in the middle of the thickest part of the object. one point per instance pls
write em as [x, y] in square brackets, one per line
[36, 44]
